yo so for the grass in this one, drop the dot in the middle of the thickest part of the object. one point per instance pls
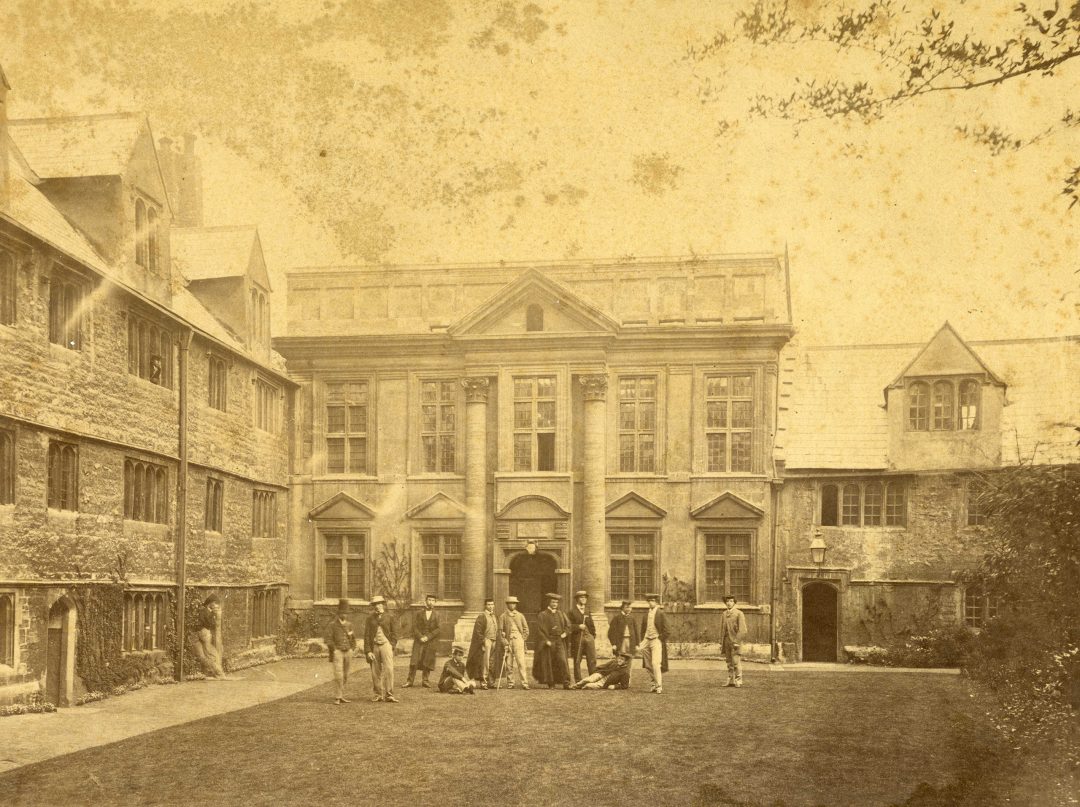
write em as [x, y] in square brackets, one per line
[791, 738]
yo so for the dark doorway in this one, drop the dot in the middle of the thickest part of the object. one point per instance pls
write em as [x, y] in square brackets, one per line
[60, 656]
[531, 577]
[819, 622]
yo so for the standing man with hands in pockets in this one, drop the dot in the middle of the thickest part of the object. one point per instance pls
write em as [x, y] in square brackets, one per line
[379, 641]
[732, 633]
[341, 642]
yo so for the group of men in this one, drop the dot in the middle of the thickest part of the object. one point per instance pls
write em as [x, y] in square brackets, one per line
[497, 648]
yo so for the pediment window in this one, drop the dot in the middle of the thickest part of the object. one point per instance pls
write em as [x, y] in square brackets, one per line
[943, 404]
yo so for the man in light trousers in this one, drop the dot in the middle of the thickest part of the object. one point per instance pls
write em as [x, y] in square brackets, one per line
[379, 641]
[514, 630]
[732, 633]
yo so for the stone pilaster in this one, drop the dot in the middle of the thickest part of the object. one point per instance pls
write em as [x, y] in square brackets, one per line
[593, 549]
[474, 541]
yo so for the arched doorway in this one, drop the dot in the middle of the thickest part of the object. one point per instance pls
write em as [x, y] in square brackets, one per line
[60, 656]
[531, 577]
[819, 622]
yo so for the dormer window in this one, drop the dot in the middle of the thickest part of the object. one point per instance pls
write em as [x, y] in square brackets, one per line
[146, 236]
[534, 318]
[943, 405]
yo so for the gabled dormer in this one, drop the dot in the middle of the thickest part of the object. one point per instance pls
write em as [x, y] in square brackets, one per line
[944, 408]
[224, 267]
[102, 172]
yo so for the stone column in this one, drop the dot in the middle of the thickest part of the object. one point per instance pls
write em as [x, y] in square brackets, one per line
[593, 549]
[474, 541]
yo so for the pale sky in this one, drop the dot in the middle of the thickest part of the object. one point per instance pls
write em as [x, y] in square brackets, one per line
[487, 130]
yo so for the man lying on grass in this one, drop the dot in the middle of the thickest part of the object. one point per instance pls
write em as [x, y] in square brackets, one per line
[615, 674]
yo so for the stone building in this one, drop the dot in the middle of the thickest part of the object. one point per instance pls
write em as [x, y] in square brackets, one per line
[142, 409]
[526, 428]
[883, 449]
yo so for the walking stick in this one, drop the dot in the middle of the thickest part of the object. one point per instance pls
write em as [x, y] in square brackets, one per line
[502, 670]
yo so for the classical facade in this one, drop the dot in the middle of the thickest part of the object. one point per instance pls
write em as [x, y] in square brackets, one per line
[519, 429]
[142, 410]
[883, 450]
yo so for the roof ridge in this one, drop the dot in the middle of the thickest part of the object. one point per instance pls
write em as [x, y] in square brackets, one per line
[217, 228]
[66, 118]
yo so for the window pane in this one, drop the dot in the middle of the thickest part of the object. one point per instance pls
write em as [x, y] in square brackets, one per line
[446, 452]
[429, 391]
[918, 407]
[356, 545]
[742, 386]
[620, 579]
[358, 455]
[647, 460]
[335, 455]
[716, 415]
[647, 388]
[333, 578]
[451, 544]
[740, 451]
[894, 505]
[545, 387]
[969, 404]
[430, 544]
[714, 580]
[742, 414]
[627, 416]
[739, 544]
[643, 577]
[335, 419]
[522, 452]
[943, 405]
[830, 516]
[850, 509]
[872, 505]
[427, 418]
[447, 421]
[333, 544]
[356, 579]
[429, 570]
[447, 391]
[545, 452]
[620, 544]
[523, 387]
[717, 386]
[545, 414]
[739, 570]
[626, 453]
[452, 579]
[627, 388]
[358, 419]
[429, 454]
[643, 545]
[523, 415]
[717, 452]
[714, 545]
[647, 416]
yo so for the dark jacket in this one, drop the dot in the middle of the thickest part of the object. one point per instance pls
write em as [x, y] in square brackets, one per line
[339, 636]
[579, 622]
[549, 661]
[614, 675]
[374, 621]
[452, 669]
[661, 628]
[423, 653]
[475, 661]
[617, 627]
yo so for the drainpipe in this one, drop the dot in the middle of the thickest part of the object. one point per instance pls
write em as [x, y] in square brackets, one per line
[775, 491]
[181, 507]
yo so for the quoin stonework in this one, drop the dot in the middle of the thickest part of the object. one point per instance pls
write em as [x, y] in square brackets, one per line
[466, 431]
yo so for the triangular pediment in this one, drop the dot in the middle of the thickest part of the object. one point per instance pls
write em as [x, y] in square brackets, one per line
[946, 354]
[727, 505]
[508, 311]
[634, 506]
[439, 506]
[342, 506]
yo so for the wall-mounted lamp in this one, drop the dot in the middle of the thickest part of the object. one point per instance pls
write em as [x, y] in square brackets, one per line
[530, 547]
[817, 550]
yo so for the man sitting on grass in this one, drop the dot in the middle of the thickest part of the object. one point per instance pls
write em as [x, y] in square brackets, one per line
[615, 674]
[454, 679]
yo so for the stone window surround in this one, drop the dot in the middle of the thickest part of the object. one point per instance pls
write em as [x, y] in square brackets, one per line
[634, 527]
[318, 405]
[224, 363]
[346, 527]
[433, 527]
[726, 526]
[16, 605]
[414, 387]
[699, 443]
[274, 393]
[862, 482]
[9, 471]
[61, 275]
[956, 381]
[505, 405]
[660, 432]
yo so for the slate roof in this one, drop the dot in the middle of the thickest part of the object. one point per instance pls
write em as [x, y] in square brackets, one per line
[88, 146]
[833, 406]
[207, 253]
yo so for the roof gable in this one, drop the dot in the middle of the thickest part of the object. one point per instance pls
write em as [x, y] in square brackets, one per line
[634, 506]
[341, 506]
[727, 505]
[439, 506]
[209, 253]
[946, 354]
[505, 312]
[92, 145]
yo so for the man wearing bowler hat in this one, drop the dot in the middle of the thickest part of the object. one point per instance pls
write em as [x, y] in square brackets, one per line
[549, 658]
[582, 634]
[340, 641]
[732, 633]
[379, 641]
[654, 642]
[425, 637]
[513, 631]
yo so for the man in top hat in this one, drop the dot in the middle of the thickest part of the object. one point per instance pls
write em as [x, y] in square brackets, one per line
[732, 633]
[582, 634]
[209, 648]
[455, 679]
[341, 642]
[484, 635]
[379, 641]
[549, 658]
[425, 636]
[654, 642]
[614, 674]
[622, 630]
[513, 631]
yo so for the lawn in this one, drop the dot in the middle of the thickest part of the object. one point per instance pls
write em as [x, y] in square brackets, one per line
[792, 738]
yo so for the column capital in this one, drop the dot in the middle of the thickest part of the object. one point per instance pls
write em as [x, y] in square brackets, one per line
[595, 386]
[476, 389]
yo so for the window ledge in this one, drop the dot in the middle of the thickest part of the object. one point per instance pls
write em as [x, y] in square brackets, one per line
[852, 527]
[64, 515]
[442, 604]
[629, 477]
[65, 353]
[729, 475]
[341, 477]
[435, 477]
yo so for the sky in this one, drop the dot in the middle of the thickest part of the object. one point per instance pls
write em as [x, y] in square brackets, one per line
[355, 131]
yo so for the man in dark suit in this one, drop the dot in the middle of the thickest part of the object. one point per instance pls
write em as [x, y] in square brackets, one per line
[615, 674]
[425, 636]
[654, 642]
[379, 641]
[455, 678]
[484, 636]
[582, 634]
[623, 631]
[549, 660]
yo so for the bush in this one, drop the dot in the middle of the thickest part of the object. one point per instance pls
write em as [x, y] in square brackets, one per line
[940, 647]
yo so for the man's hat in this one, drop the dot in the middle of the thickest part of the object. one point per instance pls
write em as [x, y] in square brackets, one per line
[430, 597]
[652, 597]
[458, 649]
[625, 654]
[212, 599]
[513, 600]
[377, 599]
[582, 593]
[730, 597]
[625, 603]
[343, 606]
[550, 597]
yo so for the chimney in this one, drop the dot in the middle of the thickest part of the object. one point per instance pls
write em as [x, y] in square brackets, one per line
[167, 159]
[191, 185]
[5, 189]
